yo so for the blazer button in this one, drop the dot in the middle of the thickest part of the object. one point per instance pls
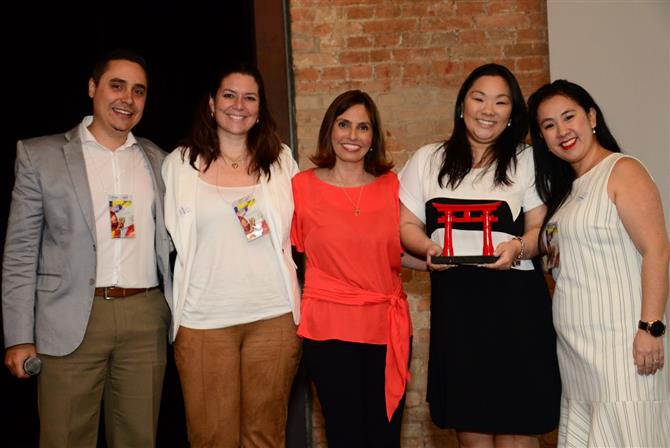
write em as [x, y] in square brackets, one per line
[91, 281]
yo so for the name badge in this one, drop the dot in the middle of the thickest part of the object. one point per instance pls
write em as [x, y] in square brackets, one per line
[253, 223]
[121, 216]
[551, 243]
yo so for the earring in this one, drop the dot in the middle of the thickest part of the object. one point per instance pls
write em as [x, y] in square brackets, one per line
[371, 149]
[593, 130]
[509, 123]
[258, 120]
[461, 115]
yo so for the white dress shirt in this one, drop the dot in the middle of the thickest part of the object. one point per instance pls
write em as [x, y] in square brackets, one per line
[123, 262]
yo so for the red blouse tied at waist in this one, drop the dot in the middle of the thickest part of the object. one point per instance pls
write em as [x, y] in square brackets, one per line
[396, 374]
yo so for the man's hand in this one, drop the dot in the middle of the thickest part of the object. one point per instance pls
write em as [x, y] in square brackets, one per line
[16, 355]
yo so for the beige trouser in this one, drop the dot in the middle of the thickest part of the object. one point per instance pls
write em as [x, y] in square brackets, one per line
[123, 355]
[237, 381]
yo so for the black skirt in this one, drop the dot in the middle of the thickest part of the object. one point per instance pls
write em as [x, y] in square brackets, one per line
[492, 365]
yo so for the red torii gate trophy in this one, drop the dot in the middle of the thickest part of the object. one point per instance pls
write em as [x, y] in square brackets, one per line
[449, 217]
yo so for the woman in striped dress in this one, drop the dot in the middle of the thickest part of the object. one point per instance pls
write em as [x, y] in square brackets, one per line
[608, 250]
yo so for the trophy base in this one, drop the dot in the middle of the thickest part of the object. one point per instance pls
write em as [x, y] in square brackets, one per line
[465, 259]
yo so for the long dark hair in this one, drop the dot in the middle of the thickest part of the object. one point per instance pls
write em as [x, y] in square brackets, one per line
[375, 161]
[553, 176]
[263, 142]
[457, 160]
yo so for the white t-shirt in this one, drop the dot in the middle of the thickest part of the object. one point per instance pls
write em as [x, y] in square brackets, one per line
[419, 189]
[233, 281]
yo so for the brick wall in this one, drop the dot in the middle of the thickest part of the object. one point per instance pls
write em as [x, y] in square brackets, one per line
[411, 57]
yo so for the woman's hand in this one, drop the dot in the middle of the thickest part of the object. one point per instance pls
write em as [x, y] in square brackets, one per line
[415, 240]
[435, 251]
[507, 251]
[638, 203]
[647, 353]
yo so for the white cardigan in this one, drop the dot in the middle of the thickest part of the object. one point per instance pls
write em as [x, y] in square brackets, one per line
[180, 211]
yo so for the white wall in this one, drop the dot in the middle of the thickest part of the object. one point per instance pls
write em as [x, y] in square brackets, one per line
[620, 52]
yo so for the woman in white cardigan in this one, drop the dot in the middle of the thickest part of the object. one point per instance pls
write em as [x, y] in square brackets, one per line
[228, 208]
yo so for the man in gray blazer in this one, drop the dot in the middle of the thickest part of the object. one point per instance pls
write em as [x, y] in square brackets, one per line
[86, 257]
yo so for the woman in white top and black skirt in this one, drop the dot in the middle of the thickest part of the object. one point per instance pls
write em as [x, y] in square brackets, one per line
[492, 369]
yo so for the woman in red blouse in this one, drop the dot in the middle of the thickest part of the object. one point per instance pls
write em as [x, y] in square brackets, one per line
[355, 320]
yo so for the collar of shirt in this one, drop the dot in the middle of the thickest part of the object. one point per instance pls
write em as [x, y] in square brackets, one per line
[88, 138]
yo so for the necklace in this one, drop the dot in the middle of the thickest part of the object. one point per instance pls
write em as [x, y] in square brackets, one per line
[357, 204]
[234, 163]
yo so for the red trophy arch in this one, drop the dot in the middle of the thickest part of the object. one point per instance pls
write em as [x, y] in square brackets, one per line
[451, 213]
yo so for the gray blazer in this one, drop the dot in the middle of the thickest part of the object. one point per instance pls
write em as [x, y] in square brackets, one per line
[49, 266]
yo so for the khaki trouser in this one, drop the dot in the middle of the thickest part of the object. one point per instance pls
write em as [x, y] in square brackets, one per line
[237, 382]
[122, 357]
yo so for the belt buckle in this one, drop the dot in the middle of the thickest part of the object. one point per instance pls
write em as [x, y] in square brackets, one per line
[107, 296]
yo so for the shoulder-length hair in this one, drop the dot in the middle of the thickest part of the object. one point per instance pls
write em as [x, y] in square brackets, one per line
[457, 159]
[263, 142]
[375, 161]
[553, 176]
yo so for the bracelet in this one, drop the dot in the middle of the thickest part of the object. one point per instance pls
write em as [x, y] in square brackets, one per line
[523, 249]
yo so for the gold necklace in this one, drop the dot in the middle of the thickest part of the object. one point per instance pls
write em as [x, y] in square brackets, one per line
[234, 163]
[357, 204]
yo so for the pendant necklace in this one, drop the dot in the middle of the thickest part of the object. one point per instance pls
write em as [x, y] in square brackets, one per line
[357, 204]
[234, 163]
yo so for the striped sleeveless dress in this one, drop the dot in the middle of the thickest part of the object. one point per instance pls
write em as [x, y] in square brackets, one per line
[596, 308]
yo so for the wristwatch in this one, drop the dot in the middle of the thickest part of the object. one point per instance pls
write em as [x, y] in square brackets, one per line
[655, 328]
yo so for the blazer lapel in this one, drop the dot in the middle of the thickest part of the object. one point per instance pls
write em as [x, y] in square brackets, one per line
[74, 159]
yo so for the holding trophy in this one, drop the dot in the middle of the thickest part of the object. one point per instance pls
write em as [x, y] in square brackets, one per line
[470, 209]
[466, 213]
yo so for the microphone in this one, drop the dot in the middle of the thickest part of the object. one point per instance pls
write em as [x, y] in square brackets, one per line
[32, 366]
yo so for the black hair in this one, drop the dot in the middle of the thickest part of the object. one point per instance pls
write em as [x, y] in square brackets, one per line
[457, 160]
[553, 176]
[119, 54]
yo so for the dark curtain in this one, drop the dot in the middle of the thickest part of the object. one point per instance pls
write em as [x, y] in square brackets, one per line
[48, 50]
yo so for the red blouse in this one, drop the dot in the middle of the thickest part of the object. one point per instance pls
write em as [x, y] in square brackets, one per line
[353, 290]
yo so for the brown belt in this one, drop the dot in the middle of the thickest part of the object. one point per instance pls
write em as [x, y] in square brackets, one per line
[115, 292]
